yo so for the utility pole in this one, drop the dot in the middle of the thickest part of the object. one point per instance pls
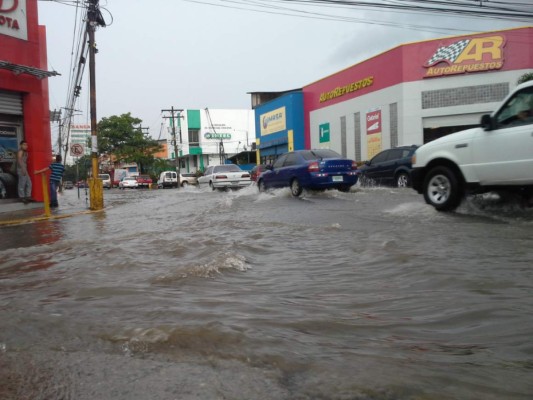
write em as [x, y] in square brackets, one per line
[172, 112]
[94, 19]
[142, 130]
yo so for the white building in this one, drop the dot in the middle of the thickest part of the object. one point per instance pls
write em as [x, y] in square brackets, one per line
[79, 135]
[208, 137]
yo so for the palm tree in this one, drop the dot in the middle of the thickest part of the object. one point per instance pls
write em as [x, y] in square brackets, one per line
[526, 77]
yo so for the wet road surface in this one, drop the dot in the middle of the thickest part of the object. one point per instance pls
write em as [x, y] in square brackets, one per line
[193, 294]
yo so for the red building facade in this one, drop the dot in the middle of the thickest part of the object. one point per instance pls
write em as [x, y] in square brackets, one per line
[24, 105]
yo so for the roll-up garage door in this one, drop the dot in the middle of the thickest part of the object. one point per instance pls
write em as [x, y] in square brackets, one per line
[10, 103]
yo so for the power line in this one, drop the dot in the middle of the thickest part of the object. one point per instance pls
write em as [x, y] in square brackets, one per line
[436, 7]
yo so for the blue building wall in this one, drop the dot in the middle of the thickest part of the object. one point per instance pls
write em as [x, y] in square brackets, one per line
[273, 144]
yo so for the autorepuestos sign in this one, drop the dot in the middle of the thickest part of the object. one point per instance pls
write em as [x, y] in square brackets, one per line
[476, 54]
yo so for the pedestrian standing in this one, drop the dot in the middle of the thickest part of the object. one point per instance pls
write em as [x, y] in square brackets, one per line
[24, 181]
[56, 175]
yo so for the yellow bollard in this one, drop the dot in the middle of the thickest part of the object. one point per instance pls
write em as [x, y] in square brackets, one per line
[46, 196]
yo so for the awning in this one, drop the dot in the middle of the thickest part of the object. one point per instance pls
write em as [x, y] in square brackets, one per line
[23, 69]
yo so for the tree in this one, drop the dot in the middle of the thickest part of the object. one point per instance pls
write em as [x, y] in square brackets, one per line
[78, 171]
[119, 136]
[525, 78]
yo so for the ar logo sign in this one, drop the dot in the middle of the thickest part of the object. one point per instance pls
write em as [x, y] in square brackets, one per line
[323, 133]
[467, 55]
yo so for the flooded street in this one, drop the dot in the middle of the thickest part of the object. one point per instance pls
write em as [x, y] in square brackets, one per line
[194, 294]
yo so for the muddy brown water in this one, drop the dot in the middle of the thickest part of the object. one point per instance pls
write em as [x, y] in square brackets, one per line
[189, 294]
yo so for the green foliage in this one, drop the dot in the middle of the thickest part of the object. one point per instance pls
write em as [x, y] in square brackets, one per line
[120, 136]
[78, 171]
[161, 165]
[525, 78]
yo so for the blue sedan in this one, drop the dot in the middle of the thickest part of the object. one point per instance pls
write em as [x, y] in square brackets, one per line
[309, 169]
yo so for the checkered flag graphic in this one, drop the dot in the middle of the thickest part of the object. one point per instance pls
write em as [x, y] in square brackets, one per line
[448, 53]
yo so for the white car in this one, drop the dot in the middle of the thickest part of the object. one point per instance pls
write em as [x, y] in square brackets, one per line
[224, 177]
[497, 156]
[128, 182]
[167, 179]
[106, 180]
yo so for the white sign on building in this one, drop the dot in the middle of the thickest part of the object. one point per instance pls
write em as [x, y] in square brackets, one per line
[13, 19]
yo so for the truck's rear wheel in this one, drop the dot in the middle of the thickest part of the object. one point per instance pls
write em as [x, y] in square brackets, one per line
[442, 189]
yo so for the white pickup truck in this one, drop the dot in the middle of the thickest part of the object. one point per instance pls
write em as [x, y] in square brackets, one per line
[497, 156]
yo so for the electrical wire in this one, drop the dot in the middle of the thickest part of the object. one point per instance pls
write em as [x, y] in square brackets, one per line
[433, 7]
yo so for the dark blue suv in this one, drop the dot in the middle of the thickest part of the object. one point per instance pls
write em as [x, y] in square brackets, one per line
[390, 167]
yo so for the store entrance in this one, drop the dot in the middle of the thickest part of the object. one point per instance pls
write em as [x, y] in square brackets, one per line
[10, 135]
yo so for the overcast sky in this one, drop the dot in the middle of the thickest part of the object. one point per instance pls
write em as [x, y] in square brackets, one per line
[155, 54]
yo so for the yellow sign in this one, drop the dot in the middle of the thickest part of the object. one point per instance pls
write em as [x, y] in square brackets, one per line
[273, 121]
[349, 88]
[373, 144]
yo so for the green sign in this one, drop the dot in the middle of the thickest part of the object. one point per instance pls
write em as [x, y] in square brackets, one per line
[323, 133]
[210, 135]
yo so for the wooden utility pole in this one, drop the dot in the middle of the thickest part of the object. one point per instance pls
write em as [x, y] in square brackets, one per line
[94, 19]
[172, 112]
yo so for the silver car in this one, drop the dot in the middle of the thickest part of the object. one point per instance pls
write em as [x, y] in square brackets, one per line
[228, 176]
[188, 179]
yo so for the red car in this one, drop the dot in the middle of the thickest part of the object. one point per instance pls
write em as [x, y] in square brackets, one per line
[144, 181]
[256, 171]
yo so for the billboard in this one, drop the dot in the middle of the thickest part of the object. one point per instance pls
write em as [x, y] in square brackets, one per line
[273, 121]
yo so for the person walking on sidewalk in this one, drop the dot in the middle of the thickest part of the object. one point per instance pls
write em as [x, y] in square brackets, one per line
[24, 181]
[55, 179]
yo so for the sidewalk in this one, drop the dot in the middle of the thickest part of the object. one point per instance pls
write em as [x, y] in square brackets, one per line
[14, 211]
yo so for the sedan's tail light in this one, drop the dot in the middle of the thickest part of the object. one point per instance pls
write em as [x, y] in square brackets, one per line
[354, 165]
[313, 167]
[221, 177]
[245, 175]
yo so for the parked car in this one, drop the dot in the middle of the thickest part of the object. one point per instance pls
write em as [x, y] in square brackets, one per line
[188, 179]
[224, 176]
[82, 184]
[256, 171]
[497, 156]
[167, 179]
[389, 167]
[310, 169]
[106, 180]
[68, 185]
[128, 182]
[144, 181]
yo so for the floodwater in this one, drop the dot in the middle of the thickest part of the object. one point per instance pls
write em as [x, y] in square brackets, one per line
[193, 294]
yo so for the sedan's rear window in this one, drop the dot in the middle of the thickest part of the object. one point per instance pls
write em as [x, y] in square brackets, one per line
[228, 168]
[319, 154]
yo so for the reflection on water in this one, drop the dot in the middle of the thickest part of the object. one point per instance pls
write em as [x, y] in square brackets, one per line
[197, 294]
